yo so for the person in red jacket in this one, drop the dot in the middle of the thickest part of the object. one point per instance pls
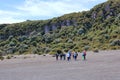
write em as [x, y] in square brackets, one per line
[84, 55]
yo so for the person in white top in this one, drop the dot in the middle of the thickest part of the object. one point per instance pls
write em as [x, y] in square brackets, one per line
[68, 55]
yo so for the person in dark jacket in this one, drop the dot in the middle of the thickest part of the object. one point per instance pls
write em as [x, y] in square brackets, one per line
[75, 55]
[56, 55]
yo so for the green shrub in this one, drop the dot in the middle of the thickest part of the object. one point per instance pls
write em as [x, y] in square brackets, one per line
[0, 52]
[34, 43]
[115, 43]
[112, 44]
[65, 50]
[81, 31]
[76, 47]
[22, 38]
[85, 37]
[70, 41]
[1, 58]
[90, 38]
[35, 51]
[57, 40]
[86, 47]
[116, 31]
[8, 57]
[22, 51]
[107, 36]
[55, 50]
[47, 50]
[104, 48]
[96, 50]
[12, 43]
[114, 48]
[39, 53]
[51, 53]
[69, 45]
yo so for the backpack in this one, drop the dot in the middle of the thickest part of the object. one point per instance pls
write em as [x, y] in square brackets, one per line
[75, 54]
[84, 54]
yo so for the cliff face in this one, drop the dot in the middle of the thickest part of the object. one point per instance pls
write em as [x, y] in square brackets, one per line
[101, 13]
[91, 29]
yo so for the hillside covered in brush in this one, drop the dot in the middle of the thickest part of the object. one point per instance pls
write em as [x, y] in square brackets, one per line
[98, 28]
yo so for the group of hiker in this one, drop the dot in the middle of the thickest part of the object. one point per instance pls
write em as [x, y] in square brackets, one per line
[69, 54]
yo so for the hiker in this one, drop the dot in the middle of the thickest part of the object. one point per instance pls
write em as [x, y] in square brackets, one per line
[56, 55]
[61, 55]
[68, 55]
[64, 56]
[75, 55]
[84, 55]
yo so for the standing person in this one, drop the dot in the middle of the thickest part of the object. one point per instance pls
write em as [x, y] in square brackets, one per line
[70, 53]
[61, 56]
[68, 56]
[56, 55]
[84, 55]
[64, 56]
[75, 55]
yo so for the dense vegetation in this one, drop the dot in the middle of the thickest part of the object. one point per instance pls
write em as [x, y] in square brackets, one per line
[96, 29]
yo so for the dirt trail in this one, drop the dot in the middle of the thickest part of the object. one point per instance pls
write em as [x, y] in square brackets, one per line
[104, 65]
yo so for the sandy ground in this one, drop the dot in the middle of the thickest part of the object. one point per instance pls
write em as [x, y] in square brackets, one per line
[104, 65]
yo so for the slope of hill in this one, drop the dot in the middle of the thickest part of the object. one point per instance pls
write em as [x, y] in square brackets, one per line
[98, 28]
